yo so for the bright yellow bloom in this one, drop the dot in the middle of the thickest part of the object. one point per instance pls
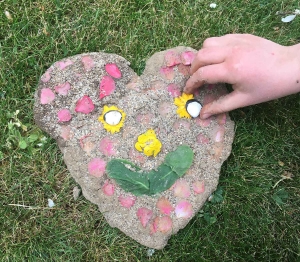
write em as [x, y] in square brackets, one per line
[180, 102]
[148, 143]
[109, 127]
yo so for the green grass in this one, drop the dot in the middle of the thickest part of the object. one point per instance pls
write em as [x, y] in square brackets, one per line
[254, 218]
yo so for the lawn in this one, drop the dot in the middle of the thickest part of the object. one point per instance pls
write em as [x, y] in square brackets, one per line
[255, 212]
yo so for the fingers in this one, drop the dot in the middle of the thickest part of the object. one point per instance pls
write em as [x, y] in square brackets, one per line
[224, 104]
[226, 40]
[210, 74]
[209, 56]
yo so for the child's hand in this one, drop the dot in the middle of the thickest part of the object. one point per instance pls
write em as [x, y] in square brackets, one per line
[258, 69]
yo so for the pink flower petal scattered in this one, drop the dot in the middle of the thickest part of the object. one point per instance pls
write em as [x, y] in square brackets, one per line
[84, 105]
[183, 69]
[86, 144]
[172, 58]
[47, 96]
[167, 73]
[203, 122]
[217, 150]
[221, 119]
[96, 167]
[62, 89]
[218, 134]
[174, 90]
[164, 206]
[64, 115]
[144, 214]
[66, 133]
[208, 98]
[199, 187]
[113, 70]
[145, 118]
[127, 202]
[184, 209]
[165, 108]
[182, 124]
[107, 146]
[154, 226]
[202, 139]
[187, 57]
[108, 188]
[47, 76]
[136, 156]
[88, 62]
[182, 189]
[64, 64]
[107, 86]
[165, 224]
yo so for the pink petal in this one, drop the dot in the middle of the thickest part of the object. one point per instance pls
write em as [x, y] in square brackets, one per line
[165, 224]
[164, 206]
[145, 118]
[108, 188]
[167, 73]
[221, 118]
[107, 86]
[218, 134]
[144, 214]
[63, 89]
[84, 105]
[107, 147]
[182, 189]
[172, 58]
[165, 108]
[127, 202]
[202, 139]
[199, 187]
[136, 156]
[47, 96]
[183, 69]
[174, 90]
[208, 98]
[187, 57]
[63, 64]
[182, 124]
[154, 226]
[66, 133]
[96, 167]
[203, 123]
[88, 62]
[64, 115]
[46, 77]
[184, 209]
[113, 70]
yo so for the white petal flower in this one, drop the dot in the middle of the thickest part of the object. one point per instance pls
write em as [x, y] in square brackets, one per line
[213, 5]
[50, 203]
[8, 15]
[297, 12]
[288, 18]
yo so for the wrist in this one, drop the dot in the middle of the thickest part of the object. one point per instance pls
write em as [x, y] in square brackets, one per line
[294, 86]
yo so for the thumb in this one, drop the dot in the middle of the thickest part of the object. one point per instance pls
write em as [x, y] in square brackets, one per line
[224, 104]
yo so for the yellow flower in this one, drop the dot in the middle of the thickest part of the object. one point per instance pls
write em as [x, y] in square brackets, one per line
[180, 102]
[112, 118]
[148, 143]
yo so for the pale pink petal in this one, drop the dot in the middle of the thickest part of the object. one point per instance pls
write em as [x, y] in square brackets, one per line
[144, 214]
[88, 62]
[218, 134]
[199, 187]
[127, 202]
[184, 209]
[167, 73]
[208, 98]
[183, 69]
[187, 57]
[64, 115]
[165, 108]
[164, 206]
[182, 189]
[113, 70]
[221, 118]
[47, 76]
[47, 96]
[107, 86]
[96, 167]
[154, 226]
[64, 64]
[182, 124]
[108, 188]
[203, 122]
[165, 224]
[107, 146]
[172, 58]
[63, 89]
[145, 118]
[202, 139]
[66, 133]
[174, 90]
[137, 156]
[84, 105]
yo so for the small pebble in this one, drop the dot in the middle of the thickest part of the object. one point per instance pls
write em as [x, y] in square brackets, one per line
[193, 107]
[76, 192]
[113, 117]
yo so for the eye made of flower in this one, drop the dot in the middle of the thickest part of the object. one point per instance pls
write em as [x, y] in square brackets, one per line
[112, 118]
[187, 106]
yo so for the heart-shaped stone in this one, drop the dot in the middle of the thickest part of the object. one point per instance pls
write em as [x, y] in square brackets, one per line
[129, 142]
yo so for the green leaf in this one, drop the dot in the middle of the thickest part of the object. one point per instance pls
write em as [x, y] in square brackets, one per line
[218, 195]
[22, 144]
[132, 179]
[33, 137]
[280, 196]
